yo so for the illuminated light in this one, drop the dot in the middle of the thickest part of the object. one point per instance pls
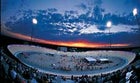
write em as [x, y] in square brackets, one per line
[34, 21]
[135, 11]
[109, 24]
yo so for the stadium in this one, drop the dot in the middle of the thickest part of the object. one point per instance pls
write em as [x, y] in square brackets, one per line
[70, 41]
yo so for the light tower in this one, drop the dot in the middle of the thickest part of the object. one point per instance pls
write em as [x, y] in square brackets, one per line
[108, 25]
[135, 11]
[135, 14]
[34, 21]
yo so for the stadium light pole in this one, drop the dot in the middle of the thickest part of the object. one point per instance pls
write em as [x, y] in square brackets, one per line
[108, 25]
[135, 14]
[34, 21]
[135, 11]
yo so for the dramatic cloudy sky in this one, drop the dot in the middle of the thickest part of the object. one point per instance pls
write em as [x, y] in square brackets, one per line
[79, 23]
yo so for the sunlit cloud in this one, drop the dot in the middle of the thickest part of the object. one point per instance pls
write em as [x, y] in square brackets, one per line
[76, 43]
[89, 30]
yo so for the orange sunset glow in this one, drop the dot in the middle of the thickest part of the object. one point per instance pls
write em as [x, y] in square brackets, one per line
[79, 43]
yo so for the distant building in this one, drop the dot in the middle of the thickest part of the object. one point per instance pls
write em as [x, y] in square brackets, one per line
[64, 49]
